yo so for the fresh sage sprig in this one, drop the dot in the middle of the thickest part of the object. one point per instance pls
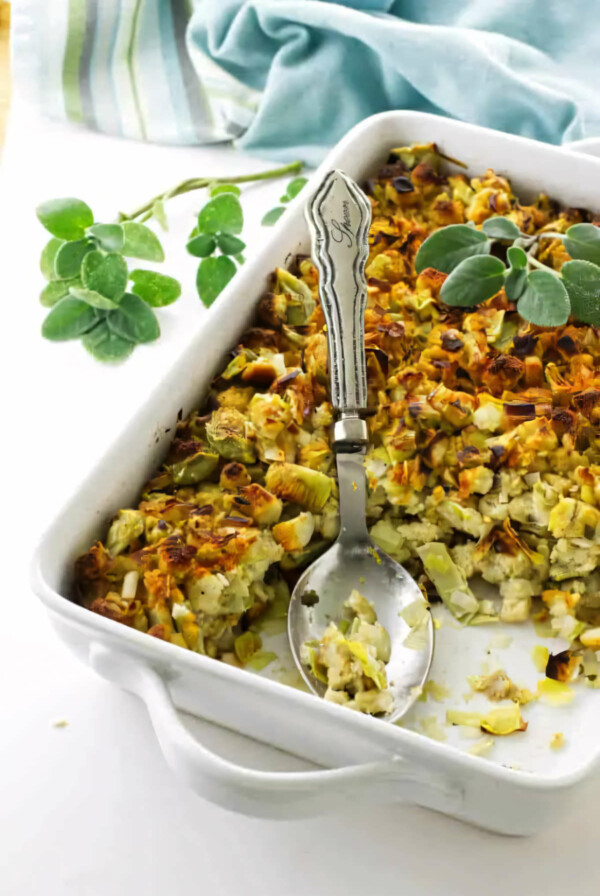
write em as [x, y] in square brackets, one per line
[292, 190]
[544, 297]
[88, 276]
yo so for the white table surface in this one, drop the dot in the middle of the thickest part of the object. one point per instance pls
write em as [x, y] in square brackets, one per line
[92, 809]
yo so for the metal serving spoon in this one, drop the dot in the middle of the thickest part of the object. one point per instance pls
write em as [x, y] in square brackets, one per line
[339, 216]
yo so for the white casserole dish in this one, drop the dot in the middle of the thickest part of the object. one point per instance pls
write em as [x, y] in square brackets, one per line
[524, 784]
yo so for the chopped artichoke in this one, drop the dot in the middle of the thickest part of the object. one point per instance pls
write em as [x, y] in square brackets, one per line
[195, 468]
[125, 528]
[300, 301]
[504, 720]
[449, 581]
[301, 485]
[294, 534]
[226, 434]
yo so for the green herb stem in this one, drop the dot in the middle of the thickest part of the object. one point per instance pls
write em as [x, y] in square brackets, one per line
[200, 183]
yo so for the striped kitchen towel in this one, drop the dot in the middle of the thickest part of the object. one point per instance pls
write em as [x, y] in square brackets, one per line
[287, 78]
[125, 67]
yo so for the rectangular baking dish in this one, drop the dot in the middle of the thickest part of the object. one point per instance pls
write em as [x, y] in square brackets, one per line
[523, 785]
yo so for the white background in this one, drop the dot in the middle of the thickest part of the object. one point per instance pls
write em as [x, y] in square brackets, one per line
[92, 809]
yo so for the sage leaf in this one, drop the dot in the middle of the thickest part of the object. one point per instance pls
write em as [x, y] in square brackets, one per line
[106, 274]
[582, 241]
[284, 199]
[445, 249]
[134, 320]
[217, 189]
[213, 276]
[158, 212]
[155, 289]
[92, 298]
[516, 279]
[230, 245]
[515, 283]
[223, 214]
[545, 301]
[517, 258]
[294, 187]
[141, 242]
[473, 281]
[272, 216]
[110, 236]
[56, 290]
[202, 245]
[66, 218]
[582, 282]
[499, 228]
[105, 345]
[70, 318]
[48, 258]
[69, 257]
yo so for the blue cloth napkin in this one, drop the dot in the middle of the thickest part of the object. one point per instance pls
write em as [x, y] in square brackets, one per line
[287, 78]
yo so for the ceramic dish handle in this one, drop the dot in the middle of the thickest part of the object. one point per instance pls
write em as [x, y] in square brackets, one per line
[267, 794]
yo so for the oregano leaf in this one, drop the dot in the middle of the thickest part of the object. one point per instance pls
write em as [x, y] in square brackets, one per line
[499, 228]
[158, 212]
[65, 218]
[106, 345]
[272, 216]
[445, 249]
[230, 245]
[92, 298]
[582, 282]
[545, 301]
[141, 242]
[155, 289]
[70, 318]
[294, 187]
[109, 236]
[217, 189]
[582, 242]
[213, 276]
[69, 257]
[223, 214]
[56, 290]
[106, 274]
[134, 320]
[473, 281]
[48, 258]
[202, 245]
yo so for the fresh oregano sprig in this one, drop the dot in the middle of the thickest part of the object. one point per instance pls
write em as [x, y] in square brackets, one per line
[291, 191]
[84, 263]
[544, 297]
[219, 223]
[215, 239]
[88, 276]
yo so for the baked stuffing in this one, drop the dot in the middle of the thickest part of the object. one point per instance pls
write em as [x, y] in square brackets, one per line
[484, 462]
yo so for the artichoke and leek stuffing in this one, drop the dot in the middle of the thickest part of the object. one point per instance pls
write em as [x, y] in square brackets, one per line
[350, 659]
[484, 457]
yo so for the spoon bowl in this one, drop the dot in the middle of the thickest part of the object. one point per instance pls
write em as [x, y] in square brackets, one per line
[354, 562]
[388, 586]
